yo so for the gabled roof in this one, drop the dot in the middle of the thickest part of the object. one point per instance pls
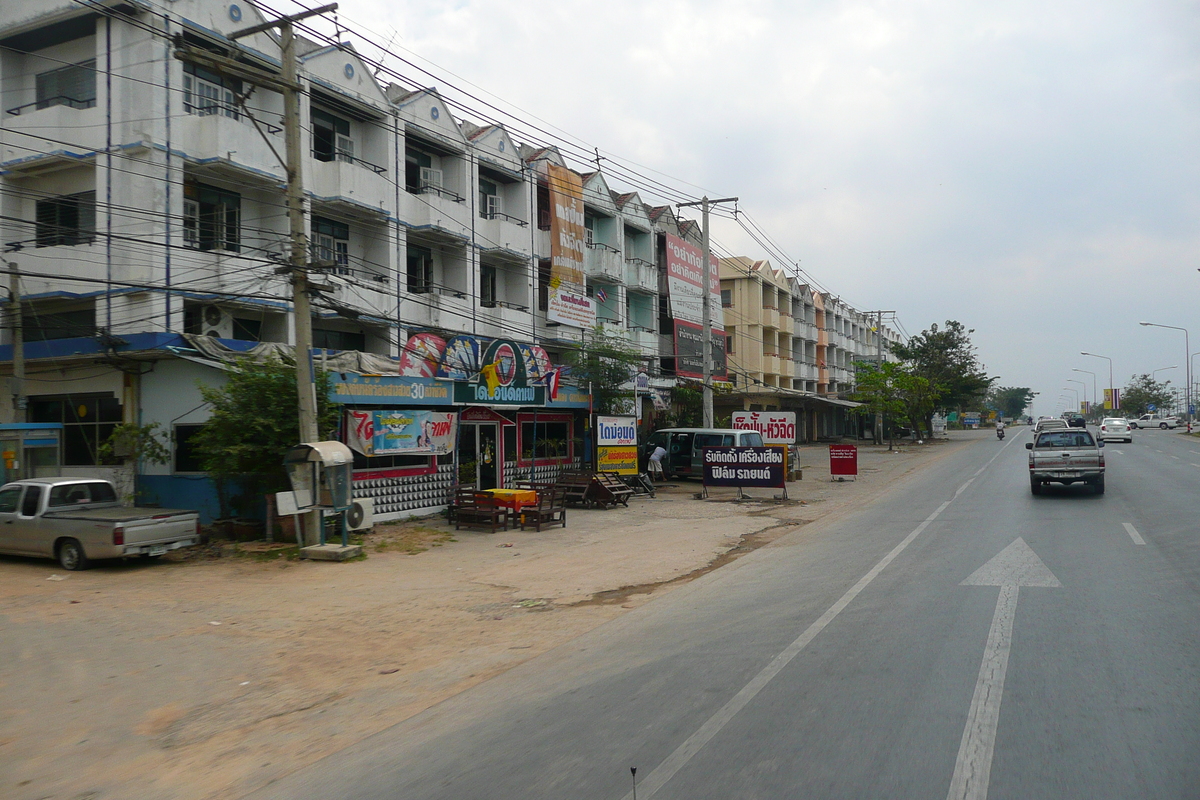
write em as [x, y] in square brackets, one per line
[597, 194]
[425, 113]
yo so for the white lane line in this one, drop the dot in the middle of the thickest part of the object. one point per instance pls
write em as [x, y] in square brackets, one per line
[1194, 465]
[1197, 452]
[1119, 452]
[1175, 457]
[1133, 533]
[963, 488]
[713, 725]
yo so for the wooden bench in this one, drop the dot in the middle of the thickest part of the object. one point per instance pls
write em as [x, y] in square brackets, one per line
[551, 508]
[479, 510]
[575, 485]
[464, 492]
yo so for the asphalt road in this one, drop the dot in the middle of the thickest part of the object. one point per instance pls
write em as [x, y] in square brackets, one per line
[958, 638]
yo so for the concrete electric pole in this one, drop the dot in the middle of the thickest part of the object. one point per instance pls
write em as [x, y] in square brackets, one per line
[706, 305]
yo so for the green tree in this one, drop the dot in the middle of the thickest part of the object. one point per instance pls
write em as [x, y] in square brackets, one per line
[132, 444]
[605, 363]
[946, 359]
[1143, 391]
[879, 391]
[254, 422]
[1010, 401]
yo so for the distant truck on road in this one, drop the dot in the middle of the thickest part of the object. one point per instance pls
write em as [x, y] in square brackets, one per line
[79, 520]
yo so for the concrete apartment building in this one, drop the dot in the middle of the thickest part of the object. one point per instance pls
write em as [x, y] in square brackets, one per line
[141, 201]
[792, 347]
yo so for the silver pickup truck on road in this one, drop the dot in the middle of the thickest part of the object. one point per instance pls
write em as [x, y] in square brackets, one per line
[78, 520]
[1065, 456]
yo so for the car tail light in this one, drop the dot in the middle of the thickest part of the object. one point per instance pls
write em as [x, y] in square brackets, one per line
[119, 535]
[197, 528]
[1102, 428]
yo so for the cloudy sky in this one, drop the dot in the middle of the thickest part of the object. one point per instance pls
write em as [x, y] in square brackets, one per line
[1031, 169]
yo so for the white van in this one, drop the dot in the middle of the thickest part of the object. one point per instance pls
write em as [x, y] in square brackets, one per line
[684, 447]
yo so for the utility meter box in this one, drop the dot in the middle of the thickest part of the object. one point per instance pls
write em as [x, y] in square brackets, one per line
[320, 473]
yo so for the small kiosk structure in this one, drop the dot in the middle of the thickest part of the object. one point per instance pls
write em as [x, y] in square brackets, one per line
[321, 474]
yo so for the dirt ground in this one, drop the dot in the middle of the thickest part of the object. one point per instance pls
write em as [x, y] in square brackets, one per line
[209, 675]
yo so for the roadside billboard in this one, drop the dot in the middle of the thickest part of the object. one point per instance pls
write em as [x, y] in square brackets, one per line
[689, 351]
[685, 282]
[568, 303]
[776, 427]
[744, 467]
[616, 444]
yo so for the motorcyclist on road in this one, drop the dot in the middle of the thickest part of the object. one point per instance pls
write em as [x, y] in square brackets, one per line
[999, 428]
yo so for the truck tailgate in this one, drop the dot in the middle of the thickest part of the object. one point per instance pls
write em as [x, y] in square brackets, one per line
[155, 530]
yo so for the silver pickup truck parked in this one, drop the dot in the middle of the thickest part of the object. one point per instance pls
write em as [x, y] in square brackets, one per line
[78, 520]
[1065, 456]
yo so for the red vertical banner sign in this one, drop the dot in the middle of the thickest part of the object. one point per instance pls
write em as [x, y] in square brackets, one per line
[843, 461]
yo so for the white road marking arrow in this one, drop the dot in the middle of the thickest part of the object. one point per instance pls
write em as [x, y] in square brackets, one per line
[1013, 567]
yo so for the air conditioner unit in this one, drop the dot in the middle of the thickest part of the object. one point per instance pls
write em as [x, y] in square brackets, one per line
[361, 514]
[493, 206]
[431, 177]
[344, 148]
[216, 322]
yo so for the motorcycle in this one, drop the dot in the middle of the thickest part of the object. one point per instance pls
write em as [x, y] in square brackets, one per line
[1000, 433]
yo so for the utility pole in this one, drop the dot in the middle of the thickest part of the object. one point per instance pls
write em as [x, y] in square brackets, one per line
[18, 343]
[706, 305]
[288, 84]
[879, 366]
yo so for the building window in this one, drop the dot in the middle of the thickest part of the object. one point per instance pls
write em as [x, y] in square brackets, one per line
[543, 272]
[487, 285]
[489, 199]
[589, 230]
[419, 173]
[88, 421]
[206, 93]
[331, 137]
[247, 330]
[66, 220]
[211, 218]
[187, 459]
[420, 268]
[545, 440]
[339, 340]
[730, 336]
[73, 86]
[42, 326]
[727, 298]
[331, 242]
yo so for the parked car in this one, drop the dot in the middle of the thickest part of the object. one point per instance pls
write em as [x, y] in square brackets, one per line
[684, 446]
[1065, 456]
[1115, 428]
[79, 520]
[1155, 421]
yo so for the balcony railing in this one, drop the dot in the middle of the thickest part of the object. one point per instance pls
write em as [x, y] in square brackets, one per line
[346, 158]
[57, 100]
[505, 217]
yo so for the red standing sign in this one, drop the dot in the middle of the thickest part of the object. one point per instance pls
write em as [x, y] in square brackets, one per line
[843, 461]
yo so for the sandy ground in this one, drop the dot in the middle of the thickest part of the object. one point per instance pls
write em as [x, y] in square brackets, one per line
[208, 677]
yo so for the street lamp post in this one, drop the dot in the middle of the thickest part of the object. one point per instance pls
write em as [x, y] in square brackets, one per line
[1095, 394]
[1160, 369]
[1076, 391]
[1084, 385]
[1187, 349]
[1111, 393]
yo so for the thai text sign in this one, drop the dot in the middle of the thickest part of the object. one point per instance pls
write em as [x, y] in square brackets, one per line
[776, 427]
[616, 444]
[404, 432]
[744, 466]
[843, 460]
[685, 283]
[567, 233]
[568, 308]
[689, 351]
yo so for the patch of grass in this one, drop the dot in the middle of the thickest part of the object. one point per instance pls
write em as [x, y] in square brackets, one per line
[409, 538]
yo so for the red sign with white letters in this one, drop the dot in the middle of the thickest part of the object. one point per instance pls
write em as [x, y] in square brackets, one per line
[843, 460]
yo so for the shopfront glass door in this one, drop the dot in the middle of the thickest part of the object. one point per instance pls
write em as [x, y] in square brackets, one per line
[478, 454]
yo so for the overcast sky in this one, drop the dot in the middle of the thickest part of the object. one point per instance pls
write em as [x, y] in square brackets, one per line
[1031, 169]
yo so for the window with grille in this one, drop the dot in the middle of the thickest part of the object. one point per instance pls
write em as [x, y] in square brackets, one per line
[331, 243]
[211, 218]
[73, 86]
[69, 219]
[88, 421]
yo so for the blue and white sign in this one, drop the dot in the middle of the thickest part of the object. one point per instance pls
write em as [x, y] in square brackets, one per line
[1151, 407]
